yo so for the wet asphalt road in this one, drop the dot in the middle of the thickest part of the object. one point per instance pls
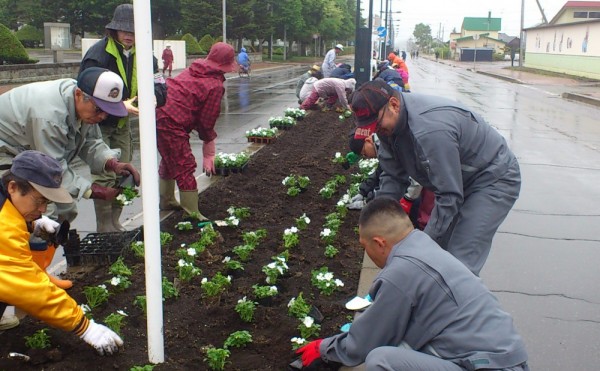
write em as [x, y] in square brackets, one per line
[544, 262]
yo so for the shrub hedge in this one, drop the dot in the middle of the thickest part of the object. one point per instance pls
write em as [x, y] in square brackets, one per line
[12, 51]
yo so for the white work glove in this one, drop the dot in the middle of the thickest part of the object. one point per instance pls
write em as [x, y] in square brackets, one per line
[45, 227]
[357, 202]
[103, 339]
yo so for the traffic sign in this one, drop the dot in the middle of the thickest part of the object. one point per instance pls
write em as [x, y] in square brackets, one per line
[381, 31]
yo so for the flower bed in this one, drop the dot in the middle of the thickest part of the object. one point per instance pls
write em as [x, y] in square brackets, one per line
[195, 322]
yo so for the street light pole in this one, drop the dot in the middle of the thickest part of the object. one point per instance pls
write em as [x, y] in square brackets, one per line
[224, 21]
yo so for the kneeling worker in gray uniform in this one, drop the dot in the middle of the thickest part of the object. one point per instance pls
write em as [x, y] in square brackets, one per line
[429, 312]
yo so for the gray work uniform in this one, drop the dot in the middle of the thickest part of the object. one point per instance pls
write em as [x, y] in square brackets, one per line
[41, 116]
[454, 153]
[427, 299]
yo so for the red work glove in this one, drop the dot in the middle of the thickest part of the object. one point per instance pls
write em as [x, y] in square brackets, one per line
[310, 353]
[208, 159]
[104, 193]
[122, 168]
[406, 205]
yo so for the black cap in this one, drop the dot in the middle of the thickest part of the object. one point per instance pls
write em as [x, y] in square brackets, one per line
[43, 173]
[369, 99]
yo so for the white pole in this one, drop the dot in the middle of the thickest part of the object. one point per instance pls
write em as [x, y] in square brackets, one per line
[149, 158]
[224, 21]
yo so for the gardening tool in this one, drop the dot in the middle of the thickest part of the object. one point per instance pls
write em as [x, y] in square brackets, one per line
[204, 224]
[127, 181]
[358, 303]
[43, 258]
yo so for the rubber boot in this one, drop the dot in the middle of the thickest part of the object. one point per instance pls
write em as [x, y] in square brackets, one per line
[43, 258]
[115, 215]
[104, 216]
[189, 203]
[166, 189]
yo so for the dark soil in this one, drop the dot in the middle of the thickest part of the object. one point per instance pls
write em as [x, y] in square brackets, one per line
[190, 321]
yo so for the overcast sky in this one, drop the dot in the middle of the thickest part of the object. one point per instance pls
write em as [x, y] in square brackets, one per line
[450, 14]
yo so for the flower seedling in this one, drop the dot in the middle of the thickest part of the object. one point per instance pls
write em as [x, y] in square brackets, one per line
[278, 267]
[187, 270]
[142, 368]
[239, 212]
[231, 160]
[238, 339]
[308, 328]
[290, 237]
[120, 282]
[262, 133]
[128, 194]
[331, 251]
[138, 248]
[333, 221]
[345, 114]
[254, 237]
[115, 321]
[184, 226]
[232, 221]
[119, 268]
[328, 235]
[282, 122]
[245, 308]
[231, 264]
[216, 358]
[165, 238]
[339, 159]
[298, 307]
[303, 222]
[325, 281]
[39, 340]
[298, 342]
[187, 253]
[96, 295]
[216, 286]
[168, 289]
[140, 301]
[209, 236]
[243, 252]
[296, 113]
[263, 292]
[296, 184]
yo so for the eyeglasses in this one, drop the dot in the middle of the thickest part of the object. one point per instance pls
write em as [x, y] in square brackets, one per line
[380, 119]
[97, 109]
[39, 202]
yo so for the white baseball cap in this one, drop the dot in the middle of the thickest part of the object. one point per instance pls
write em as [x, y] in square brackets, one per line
[106, 89]
[340, 47]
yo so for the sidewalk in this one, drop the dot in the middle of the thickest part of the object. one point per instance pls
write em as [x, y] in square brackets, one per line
[570, 88]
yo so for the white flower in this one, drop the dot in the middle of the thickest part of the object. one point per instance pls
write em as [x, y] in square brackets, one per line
[308, 321]
[291, 302]
[229, 278]
[181, 263]
[122, 312]
[233, 220]
[298, 341]
[338, 155]
[294, 230]
[268, 279]
[271, 265]
[103, 286]
[115, 281]
[341, 203]
[273, 289]
[85, 308]
[242, 300]
[328, 276]
[204, 280]
[191, 251]
[338, 283]
[231, 210]
[326, 232]
[306, 219]
[226, 259]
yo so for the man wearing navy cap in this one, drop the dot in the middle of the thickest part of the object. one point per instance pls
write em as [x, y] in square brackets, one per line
[33, 182]
[59, 118]
[451, 151]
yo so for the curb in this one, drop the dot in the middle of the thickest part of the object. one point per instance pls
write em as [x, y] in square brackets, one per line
[582, 98]
[501, 77]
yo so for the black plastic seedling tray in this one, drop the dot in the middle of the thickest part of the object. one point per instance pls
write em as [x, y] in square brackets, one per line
[105, 248]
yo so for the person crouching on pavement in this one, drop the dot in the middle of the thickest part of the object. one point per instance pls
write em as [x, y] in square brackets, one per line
[331, 90]
[194, 104]
[314, 73]
[34, 181]
[429, 312]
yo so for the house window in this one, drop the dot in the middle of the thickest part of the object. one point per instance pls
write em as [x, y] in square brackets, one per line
[580, 14]
[594, 15]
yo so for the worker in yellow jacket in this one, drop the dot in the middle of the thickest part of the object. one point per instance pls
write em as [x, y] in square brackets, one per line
[33, 182]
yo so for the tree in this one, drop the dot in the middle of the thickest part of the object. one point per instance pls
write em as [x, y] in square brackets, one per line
[201, 17]
[422, 34]
[30, 36]
[12, 51]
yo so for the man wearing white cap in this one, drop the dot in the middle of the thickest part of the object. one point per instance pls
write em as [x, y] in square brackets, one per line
[32, 182]
[59, 118]
[329, 61]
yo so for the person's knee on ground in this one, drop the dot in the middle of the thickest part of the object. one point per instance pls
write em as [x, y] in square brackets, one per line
[389, 358]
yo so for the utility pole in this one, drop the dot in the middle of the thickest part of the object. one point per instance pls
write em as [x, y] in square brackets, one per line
[521, 36]
[224, 21]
